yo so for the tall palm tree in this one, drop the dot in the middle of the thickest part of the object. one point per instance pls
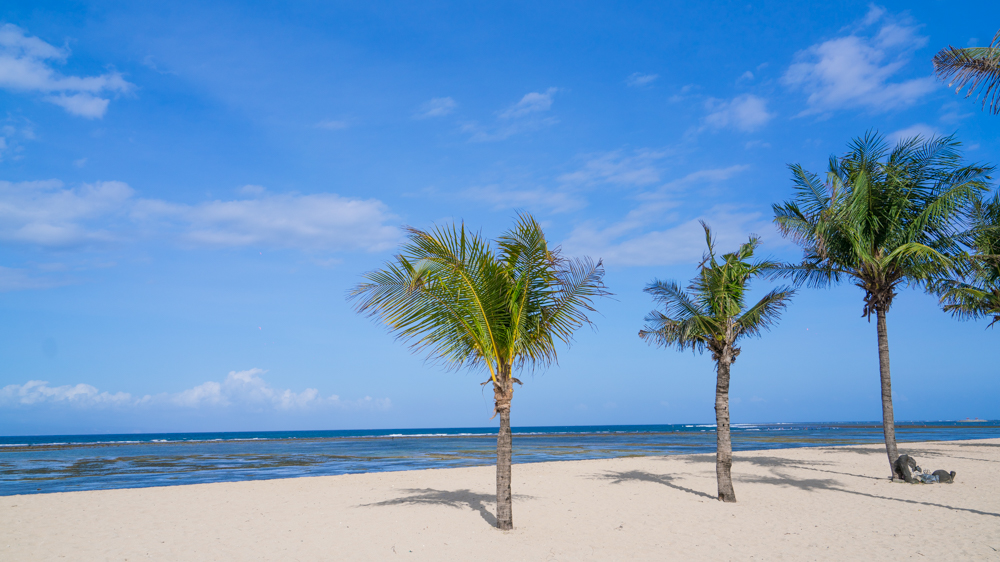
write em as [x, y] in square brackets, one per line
[975, 67]
[711, 315]
[975, 293]
[499, 307]
[883, 219]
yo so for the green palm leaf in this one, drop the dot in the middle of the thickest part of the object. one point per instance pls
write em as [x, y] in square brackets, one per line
[977, 68]
[886, 218]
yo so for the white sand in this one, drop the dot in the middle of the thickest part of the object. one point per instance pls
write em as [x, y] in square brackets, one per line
[798, 504]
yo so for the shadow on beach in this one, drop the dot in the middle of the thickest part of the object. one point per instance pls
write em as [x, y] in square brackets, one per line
[641, 476]
[451, 498]
[816, 484]
[779, 462]
[779, 478]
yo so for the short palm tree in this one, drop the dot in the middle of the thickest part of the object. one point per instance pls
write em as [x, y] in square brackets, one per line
[883, 219]
[975, 67]
[711, 315]
[497, 307]
[976, 291]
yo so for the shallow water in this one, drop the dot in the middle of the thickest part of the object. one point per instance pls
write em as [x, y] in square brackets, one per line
[97, 462]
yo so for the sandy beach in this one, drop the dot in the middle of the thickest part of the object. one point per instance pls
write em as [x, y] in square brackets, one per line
[832, 503]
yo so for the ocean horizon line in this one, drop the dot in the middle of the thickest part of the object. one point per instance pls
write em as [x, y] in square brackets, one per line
[152, 437]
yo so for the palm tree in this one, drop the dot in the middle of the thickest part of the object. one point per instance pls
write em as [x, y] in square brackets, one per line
[976, 291]
[710, 314]
[975, 67]
[497, 307]
[883, 219]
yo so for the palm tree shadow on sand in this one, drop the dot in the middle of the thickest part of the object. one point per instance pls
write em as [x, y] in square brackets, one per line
[780, 478]
[779, 462]
[642, 476]
[452, 498]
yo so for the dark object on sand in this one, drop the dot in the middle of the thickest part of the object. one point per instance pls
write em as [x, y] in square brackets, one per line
[944, 476]
[907, 467]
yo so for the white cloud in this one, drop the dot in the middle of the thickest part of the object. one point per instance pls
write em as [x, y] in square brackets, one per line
[745, 113]
[39, 392]
[540, 198]
[45, 213]
[532, 102]
[860, 70]
[25, 65]
[615, 167]
[323, 221]
[84, 105]
[246, 389]
[436, 107]
[919, 129]
[637, 79]
[241, 390]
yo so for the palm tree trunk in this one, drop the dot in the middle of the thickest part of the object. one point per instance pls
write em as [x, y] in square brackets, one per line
[502, 395]
[888, 421]
[724, 446]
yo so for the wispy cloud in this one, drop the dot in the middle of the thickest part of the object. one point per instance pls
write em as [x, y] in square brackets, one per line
[860, 70]
[919, 129]
[240, 390]
[744, 113]
[436, 107]
[501, 198]
[624, 244]
[533, 102]
[525, 115]
[13, 133]
[659, 232]
[323, 221]
[44, 213]
[637, 79]
[47, 214]
[332, 124]
[25, 65]
[637, 168]
[14, 279]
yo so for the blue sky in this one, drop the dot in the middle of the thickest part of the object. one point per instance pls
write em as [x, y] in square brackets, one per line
[188, 190]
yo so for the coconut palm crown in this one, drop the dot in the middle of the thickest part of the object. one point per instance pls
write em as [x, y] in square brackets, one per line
[494, 307]
[884, 218]
[711, 314]
[975, 293]
[975, 67]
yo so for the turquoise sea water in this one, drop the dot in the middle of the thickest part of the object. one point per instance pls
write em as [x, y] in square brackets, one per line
[61, 463]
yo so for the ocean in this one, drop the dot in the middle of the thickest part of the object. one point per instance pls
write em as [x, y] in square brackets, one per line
[63, 463]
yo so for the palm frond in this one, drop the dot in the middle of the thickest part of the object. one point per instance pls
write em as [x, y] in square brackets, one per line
[709, 312]
[977, 68]
[449, 292]
[894, 216]
[765, 313]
